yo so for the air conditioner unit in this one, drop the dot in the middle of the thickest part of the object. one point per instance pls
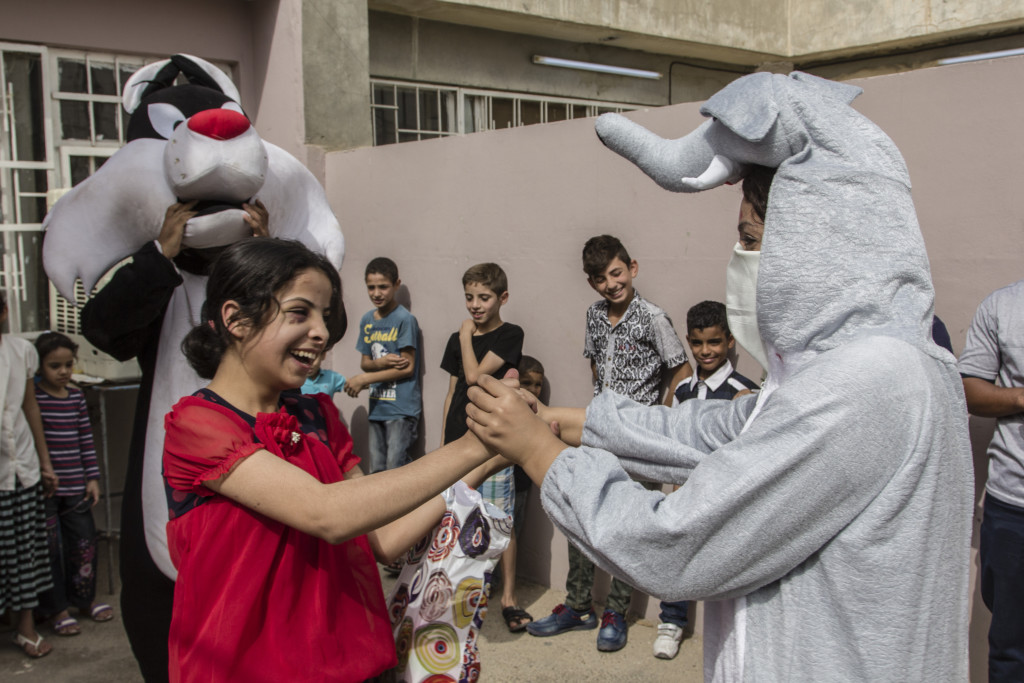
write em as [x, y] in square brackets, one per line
[65, 318]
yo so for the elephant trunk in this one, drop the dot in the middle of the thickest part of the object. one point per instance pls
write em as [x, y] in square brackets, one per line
[667, 162]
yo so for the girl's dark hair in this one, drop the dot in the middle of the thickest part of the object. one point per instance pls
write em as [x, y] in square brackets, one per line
[756, 185]
[251, 273]
[48, 342]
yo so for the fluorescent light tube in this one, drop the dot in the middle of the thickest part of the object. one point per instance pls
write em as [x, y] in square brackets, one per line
[590, 66]
[983, 55]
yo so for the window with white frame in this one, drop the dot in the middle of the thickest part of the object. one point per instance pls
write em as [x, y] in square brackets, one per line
[406, 111]
[26, 173]
[60, 119]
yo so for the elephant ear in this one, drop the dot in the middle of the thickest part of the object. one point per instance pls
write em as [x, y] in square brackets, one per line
[841, 91]
[746, 106]
[749, 106]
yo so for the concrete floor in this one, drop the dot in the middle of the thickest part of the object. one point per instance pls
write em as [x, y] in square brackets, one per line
[101, 653]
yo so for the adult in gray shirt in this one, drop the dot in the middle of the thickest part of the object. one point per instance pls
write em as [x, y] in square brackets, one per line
[992, 367]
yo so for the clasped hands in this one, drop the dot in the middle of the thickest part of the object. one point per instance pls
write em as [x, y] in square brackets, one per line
[510, 421]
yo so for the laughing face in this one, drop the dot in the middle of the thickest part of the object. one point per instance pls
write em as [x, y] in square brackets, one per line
[483, 305]
[710, 347]
[281, 355]
[615, 282]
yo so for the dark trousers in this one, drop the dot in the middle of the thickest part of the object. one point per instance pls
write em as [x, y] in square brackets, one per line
[674, 613]
[581, 581]
[147, 596]
[1002, 568]
[71, 540]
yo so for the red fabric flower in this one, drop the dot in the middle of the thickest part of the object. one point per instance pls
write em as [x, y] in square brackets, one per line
[280, 434]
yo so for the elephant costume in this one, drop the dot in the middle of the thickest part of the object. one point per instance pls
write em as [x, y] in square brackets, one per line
[827, 521]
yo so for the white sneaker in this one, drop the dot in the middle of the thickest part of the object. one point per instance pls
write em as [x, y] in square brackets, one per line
[666, 645]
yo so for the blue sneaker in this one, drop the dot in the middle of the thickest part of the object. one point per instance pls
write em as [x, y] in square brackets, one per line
[562, 619]
[612, 635]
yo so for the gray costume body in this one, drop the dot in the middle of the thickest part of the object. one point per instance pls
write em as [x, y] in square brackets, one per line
[829, 528]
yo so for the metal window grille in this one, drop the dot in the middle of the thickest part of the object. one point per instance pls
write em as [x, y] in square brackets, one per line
[406, 111]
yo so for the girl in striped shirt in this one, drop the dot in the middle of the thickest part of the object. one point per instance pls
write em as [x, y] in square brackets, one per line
[70, 529]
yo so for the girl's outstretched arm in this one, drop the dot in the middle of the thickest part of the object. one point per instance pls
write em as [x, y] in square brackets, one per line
[390, 541]
[336, 512]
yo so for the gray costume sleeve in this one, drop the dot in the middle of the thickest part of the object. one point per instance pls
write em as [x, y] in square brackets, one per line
[753, 509]
[656, 443]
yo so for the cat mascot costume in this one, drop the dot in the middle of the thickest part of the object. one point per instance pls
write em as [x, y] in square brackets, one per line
[185, 142]
[827, 520]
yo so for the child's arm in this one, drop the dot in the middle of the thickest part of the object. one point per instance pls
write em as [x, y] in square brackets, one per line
[88, 453]
[35, 423]
[268, 484]
[391, 360]
[471, 368]
[676, 375]
[391, 372]
[447, 404]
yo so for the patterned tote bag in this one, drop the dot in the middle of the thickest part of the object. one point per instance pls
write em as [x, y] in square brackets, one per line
[439, 601]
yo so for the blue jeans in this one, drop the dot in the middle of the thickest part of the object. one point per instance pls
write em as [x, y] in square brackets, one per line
[1002, 565]
[71, 537]
[674, 613]
[390, 441]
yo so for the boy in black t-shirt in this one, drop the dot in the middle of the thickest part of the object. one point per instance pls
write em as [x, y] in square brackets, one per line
[484, 345]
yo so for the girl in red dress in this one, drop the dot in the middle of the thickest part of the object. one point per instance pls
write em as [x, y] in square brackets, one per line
[273, 530]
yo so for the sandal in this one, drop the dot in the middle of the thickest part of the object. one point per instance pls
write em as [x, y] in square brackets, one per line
[68, 626]
[101, 611]
[515, 618]
[37, 645]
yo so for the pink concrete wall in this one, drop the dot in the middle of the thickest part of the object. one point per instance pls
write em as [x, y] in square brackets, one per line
[529, 198]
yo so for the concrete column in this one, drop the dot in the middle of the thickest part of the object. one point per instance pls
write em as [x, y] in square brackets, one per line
[335, 73]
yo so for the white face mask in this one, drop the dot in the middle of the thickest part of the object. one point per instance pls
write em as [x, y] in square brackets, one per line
[741, 301]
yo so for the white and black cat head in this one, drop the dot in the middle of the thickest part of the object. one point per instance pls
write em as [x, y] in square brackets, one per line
[188, 141]
[157, 105]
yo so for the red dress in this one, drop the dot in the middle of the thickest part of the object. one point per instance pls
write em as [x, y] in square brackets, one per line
[257, 600]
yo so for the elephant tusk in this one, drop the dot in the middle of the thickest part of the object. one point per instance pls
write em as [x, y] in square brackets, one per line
[720, 171]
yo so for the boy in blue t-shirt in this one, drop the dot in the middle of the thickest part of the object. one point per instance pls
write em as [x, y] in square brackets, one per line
[321, 381]
[707, 332]
[388, 341]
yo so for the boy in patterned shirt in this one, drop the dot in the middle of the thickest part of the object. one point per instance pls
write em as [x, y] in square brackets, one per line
[632, 348]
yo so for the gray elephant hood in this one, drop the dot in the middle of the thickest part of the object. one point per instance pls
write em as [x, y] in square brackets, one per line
[842, 256]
